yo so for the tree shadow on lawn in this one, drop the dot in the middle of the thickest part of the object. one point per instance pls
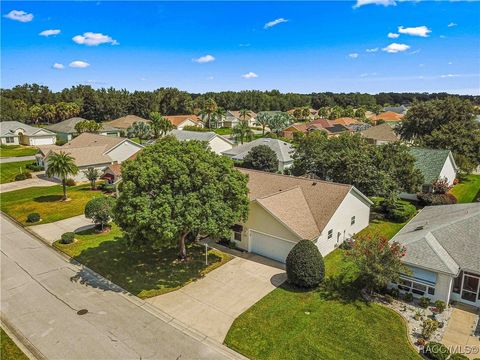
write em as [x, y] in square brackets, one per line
[143, 272]
[48, 198]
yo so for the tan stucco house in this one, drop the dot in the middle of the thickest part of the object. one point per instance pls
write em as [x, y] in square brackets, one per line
[17, 133]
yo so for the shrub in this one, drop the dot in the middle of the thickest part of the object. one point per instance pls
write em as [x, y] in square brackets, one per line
[33, 217]
[100, 210]
[408, 297]
[23, 176]
[108, 188]
[71, 182]
[430, 199]
[436, 351]
[429, 326]
[395, 293]
[35, 167]
[305, 267]
[424, 302]
[440, 306]
[388, 298]
[458, 356]
[67, 238]
[60, 142]
[195, 128]
[441, 186]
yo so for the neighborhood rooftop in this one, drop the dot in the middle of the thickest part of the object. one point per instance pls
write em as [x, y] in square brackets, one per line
[8, 128]
[283, 149]
[125, 122]
[430, 162]
[68, 126]
[192, 135]
[382, 132]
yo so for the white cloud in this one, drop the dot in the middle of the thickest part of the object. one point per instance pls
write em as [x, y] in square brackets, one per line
[204, 59]
[274, 23]
[79, 64]
[371, 50]
[449, 76]
[49, 32]
[19, 15]
[353, 55]
[393, 35]
[374, 2]
[452, 24]
[94, 39]
[250, 75]
[58, 66]
[422, 31]
[395, 48]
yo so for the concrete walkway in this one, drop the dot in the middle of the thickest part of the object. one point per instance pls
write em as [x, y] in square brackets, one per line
[38, 179]
[16, 159]
[210, 305]
[53, 231]
[459, 335]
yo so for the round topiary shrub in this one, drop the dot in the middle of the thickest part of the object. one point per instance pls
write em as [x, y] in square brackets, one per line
[458, 356]
[71, 182]
[436, 351]
[305, 267]
[33, 217]
[67, 238]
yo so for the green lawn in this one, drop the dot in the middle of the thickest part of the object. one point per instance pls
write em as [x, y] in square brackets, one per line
[8, 171]
[383, 227]
[17, 150]
[46, 201]
[329, 323]
[223, 131]
[143, 272]
[468, 190]
[8, 349]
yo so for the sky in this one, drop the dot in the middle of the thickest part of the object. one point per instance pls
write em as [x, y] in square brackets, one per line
[340, 46]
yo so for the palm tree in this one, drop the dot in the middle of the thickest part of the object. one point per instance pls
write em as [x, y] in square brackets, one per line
[279, 121]
[92, 175]
[160, 124]
[61, 165]
[139, 129]
[209, 108]
[219, 115]
[244, 113]
[242, 132]
[263, 119]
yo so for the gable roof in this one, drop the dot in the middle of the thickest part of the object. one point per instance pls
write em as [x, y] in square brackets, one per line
[302, 127]
[345, 121]
[7, 128]
[127, 121]
[388, 116]
[178, 119]
[89, 139]
[282, 149]
[443, 238]
[236, 113]
[68, 126]
[383, 132]
[304, 205]
[183, 135]
[430, 162]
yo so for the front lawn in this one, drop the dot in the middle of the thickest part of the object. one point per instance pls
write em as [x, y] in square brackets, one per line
[17, 150]
[468, 190]
[46, 201]
[223, 131]
[329, 323]
[8, 171]
[8, 349]
[143, 272]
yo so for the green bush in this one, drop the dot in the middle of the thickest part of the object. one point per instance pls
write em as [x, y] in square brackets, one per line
[408, 297]
[305, 266]
[195, 128]
[23, 176]
[71, 182]
[395, 293]
[35, 167]
[33, 217]
[424, 302]
[430, 199]
[440, 306]
[436, 351]
[429, 326]
[388, 298]
[399, 211]
[458, 356]
[67, 238]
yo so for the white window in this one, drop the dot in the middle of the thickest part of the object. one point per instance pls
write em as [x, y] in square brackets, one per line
[352, 220]
[415, 287]
[330, 233]
[9, 139]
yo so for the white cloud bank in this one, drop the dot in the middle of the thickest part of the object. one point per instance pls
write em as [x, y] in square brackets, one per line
[452, 24]
[275, 22]
[49, 32]
[94, 39]
[204, 59]
[58, 66]
[374, 2]
[19, 15]
[79, 64]
[250, 75]
[421, 31]
[395, 48]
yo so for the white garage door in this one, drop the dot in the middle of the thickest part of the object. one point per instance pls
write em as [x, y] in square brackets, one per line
[42, 140]
[269, 246]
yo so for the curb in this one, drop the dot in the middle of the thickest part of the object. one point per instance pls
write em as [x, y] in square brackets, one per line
[21, 341]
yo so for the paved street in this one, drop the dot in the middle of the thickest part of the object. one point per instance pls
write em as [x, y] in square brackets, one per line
[41, 293]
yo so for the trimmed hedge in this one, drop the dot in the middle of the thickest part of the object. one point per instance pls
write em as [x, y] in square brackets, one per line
[430, 199]
[436, 351]
[305, 266]
[400, 211]
[33, 217]
[67, 238]
[23, 176]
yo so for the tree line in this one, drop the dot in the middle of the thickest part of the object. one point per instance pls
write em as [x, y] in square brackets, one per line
[33, 103]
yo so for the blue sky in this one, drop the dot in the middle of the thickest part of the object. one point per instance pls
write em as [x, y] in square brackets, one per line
[213, 46]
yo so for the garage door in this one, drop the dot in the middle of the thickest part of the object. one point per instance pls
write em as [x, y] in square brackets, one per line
[269, 246]
[42, 140]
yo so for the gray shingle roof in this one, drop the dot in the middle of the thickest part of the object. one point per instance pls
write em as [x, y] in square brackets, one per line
[68, 126]
[443, 238]
[192, 135]
[430, 162]
[284, 150]
[8, 127]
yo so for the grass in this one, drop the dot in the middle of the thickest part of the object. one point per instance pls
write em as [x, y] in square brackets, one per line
[8, 171]
[468, 190]
[17, 150]
[385, 228]
[8, 349]
[223, 131]
[329, 323]
[46, 201]
[143, 272]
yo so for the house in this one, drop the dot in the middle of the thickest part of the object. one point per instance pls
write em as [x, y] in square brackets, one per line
[345, 121]
[443, 254]
[297, 127]
[92, 150]
[217, 143]
[380, 134]
[232, 118]
[327, 126]
[17, 133]
[312, 114]
[282, 149]
[387, 116]
[287, 209]
[113, 173]
[66, 131]
[180, 121]
[124, 122]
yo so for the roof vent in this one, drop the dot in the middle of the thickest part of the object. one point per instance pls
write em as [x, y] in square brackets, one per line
[421, 227]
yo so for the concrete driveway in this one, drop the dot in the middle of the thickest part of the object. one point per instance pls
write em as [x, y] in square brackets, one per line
[36, 180]
[460, 332]
[210, 305]
[16, 159]
[53, 231]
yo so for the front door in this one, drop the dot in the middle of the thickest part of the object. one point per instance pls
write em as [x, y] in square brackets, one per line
[470, 287]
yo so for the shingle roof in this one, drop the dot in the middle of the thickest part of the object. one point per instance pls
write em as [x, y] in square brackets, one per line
[283, 149]
[192, 135]
[178, 119]
[430, 162]
[125, 122]
[89, 139]
[304, 205]
[68, 126]
[388, 116]
[383, 132]
[443, 238]
[8, 127]
[345, 121]
[235, 113]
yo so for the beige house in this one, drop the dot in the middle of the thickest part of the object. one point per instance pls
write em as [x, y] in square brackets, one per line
[287, 209]
[17, 133]
[124, 122]
[180, 121]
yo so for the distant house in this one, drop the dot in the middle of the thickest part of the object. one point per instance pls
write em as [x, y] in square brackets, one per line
[92, 150]
[443, 254]
[297, 127]
[312, 114]
[380, 134]
[217, 143]
[327, 126]
[17, 133]
[402, 110]
[65, 130]
[180, 121]
[345, 121]
[124, 122]
[387, 116]
[282, 149]
[287, 209]
[232, 118]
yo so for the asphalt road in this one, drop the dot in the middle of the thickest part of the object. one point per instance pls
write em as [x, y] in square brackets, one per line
[41, 293]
